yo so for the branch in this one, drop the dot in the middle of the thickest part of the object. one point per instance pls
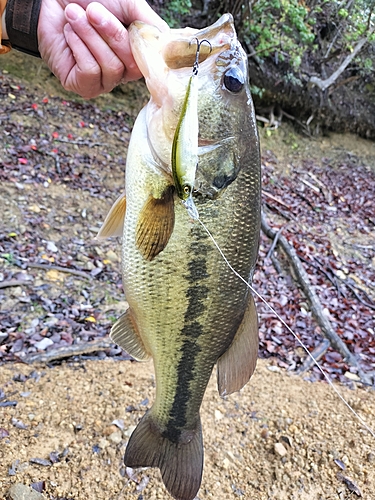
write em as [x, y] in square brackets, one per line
[324, 84]
[72, 350]
[49, 267]
[7, 284]
[315, 304]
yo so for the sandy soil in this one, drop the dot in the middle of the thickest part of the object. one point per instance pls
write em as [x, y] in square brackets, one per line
[279, 438]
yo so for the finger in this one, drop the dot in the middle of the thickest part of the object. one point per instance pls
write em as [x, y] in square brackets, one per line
[140, 10]
[116, 36]
[112, 68]
[84, 77]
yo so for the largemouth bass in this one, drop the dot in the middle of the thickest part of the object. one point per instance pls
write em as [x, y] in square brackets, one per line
[187, 310]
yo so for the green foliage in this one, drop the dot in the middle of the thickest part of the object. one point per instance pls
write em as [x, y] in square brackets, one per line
[173, 11]
[280, 28]
[290, 30]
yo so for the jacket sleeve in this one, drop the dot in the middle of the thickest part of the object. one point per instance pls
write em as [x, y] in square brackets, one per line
[21, 18]
[4, 45]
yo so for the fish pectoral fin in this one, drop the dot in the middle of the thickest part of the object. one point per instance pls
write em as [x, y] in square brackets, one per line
[155, 224]
[180, 463]
[124, 333]
[237, 364]
[113, 224]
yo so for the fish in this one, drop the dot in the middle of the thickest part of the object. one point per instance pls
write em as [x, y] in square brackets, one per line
[187, 311]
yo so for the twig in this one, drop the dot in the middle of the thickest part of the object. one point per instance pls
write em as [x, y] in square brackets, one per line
[317, 354]
[286, 216]
[8, 284]
[274, 243]
[72, 350]
[49, 267]
[315, 305]
[269, 195]
[324, 84]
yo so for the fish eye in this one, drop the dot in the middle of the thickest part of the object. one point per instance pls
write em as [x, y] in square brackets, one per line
[234, 80]
[186, 189]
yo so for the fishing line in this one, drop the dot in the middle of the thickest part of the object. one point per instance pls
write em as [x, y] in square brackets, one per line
[289, 330]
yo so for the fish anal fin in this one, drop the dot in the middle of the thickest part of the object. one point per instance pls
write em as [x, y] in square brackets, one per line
[155, 224]
[113, 224]
[180, 463]
[237, 364]
[124, 333]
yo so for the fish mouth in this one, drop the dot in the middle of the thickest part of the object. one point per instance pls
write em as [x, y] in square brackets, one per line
[175, 49]
[181, 52]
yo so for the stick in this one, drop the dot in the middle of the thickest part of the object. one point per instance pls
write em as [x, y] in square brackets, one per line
[315, 305]
[72, 350]
[49, 267]
[7, 284]
[317, 353]
[324, 84]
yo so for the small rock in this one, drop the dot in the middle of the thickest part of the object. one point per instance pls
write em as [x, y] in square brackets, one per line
[20, 491]
[119, 423]
[352, 376]
[218, 415]
[112, 256]
[18, 424]
[109, 430]
[103, 443]
[129, 431]
[52, 247]
[273, 368]
[116, 437]
[35, 209]
[43, 344]
[280, 450]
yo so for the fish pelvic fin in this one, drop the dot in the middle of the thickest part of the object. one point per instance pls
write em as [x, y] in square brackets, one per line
[125, 334]
[113, 224]
[155, 224]
[236, 366]
[180, 463]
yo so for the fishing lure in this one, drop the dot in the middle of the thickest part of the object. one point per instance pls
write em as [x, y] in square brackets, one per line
[184, 157]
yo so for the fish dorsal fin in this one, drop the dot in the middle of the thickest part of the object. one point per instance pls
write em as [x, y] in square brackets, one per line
[113, 224]
[124, 333]
[155, 224]
[237, 364]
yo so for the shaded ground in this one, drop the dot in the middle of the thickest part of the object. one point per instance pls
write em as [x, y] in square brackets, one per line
[61, 166]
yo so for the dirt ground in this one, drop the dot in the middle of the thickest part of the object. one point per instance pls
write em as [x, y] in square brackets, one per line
[64, 428]
[279, 438]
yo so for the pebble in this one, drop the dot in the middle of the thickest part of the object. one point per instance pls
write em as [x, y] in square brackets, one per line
[280, 449]
[116, 437]
[129, 431]
[112, 256]
[218, 415]
[43, 344]
[20, 491]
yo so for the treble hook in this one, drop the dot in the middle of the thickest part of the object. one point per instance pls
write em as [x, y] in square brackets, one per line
[196, 62]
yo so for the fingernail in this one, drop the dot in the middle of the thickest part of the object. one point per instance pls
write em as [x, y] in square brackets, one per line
[97, 14]
[72, 12]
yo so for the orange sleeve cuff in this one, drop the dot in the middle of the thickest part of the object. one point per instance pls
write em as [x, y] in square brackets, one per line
[4, 45]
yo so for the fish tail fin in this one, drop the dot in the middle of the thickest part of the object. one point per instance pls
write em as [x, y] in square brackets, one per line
[180, 463]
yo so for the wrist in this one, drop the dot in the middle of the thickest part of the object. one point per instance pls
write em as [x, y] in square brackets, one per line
[4, 34]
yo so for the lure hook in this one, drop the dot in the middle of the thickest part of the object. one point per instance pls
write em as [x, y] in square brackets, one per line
[196, 62]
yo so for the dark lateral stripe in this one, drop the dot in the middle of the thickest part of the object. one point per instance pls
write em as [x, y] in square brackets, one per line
[196, 294]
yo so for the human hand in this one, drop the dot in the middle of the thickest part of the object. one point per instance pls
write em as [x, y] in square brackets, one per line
[89, 50]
